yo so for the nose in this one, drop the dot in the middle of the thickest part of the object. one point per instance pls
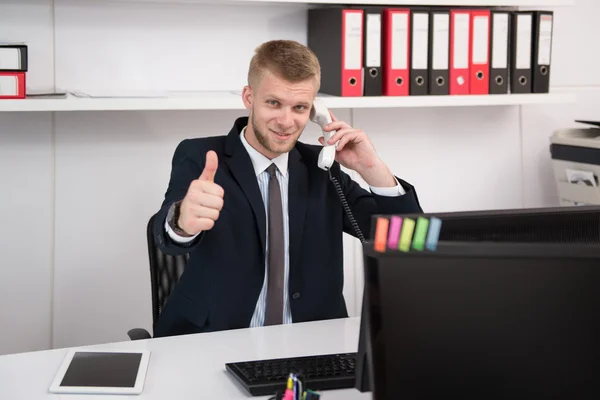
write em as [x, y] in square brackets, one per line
[285, 119]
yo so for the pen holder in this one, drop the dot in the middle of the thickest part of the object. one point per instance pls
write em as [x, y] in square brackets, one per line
[296, 390]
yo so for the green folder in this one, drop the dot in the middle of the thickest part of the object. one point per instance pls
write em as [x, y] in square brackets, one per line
[420, 234]
[408, 228]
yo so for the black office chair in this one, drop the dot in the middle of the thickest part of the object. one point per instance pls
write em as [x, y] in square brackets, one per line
[165, 271]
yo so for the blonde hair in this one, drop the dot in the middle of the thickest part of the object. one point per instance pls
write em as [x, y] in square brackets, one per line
[286, 59]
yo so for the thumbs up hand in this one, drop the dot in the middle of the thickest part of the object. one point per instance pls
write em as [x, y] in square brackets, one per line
[203, 202]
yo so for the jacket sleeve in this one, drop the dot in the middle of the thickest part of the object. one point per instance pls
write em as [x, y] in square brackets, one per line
[364, 204]
[184, 170]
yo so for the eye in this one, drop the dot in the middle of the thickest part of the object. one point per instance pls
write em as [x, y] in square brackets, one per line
[301, 108]
[273, 102]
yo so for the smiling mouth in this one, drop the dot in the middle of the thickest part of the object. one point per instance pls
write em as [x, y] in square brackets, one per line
[281, 135]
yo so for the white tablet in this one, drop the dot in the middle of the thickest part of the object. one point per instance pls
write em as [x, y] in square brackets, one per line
[102, 372]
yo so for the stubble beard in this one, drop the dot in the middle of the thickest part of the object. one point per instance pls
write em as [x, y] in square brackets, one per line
[264, 139]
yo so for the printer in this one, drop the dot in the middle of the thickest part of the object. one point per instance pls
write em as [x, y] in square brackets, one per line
[576, 164]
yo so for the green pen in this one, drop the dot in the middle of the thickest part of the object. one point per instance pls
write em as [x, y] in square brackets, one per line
[420, 234]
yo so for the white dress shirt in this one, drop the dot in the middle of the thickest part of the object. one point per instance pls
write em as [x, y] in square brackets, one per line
[260, 164]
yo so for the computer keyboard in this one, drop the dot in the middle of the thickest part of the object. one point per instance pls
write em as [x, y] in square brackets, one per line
[319, 372]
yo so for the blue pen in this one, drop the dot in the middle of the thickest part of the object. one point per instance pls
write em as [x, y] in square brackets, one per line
[435, 225]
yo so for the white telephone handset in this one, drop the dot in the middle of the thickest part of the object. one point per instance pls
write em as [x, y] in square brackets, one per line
[320, 115]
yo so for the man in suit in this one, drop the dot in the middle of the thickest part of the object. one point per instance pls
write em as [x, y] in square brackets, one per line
[261, 221]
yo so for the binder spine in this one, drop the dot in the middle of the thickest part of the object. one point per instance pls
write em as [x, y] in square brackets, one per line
[439, 52]
[542, 50]
[419, 53]
[500, 43]
[479, 52]
[372, 51]
[521, 52]
[459, 51]
[12, 85]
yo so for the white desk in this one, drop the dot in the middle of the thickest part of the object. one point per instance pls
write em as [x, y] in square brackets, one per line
[193, 366]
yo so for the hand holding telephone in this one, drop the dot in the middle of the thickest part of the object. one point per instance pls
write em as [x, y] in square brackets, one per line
[320, 115]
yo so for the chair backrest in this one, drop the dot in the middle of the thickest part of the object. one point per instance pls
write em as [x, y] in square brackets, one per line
[165, 271]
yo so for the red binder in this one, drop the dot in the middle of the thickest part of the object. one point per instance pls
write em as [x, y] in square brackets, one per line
[396, 51]
[12, 85]
[352, 52]
[479, 52]
[460, 24]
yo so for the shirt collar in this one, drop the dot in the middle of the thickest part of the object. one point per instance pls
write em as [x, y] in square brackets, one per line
[260, 162]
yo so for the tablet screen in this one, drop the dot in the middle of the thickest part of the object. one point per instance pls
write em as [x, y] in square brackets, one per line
[102, 370]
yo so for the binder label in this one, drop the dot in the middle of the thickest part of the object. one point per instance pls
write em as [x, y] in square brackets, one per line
[545, 40]
[400, 41]
[523, 41]
[353, 40]
[480, 39]
[420, 37]
[441, 34]
[461, 41]
[9, 86]
[500, 42]
[373, 41]
[10, 58]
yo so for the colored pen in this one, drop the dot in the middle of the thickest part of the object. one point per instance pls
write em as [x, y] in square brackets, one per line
[289, 392]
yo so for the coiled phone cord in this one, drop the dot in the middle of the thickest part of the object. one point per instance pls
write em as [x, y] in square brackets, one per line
[355, 226]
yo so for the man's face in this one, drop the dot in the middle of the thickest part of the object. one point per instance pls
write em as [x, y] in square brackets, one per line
[279, 111]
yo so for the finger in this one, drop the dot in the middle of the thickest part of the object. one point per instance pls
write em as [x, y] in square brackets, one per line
[200, 212]
[210, 201]
[336, 125]
[350, 137]
[333, 118]
[339, 134]
[198, 197]
[210, 167]
[200, 186]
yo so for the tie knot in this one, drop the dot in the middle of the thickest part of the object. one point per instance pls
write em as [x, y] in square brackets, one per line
[272, 170]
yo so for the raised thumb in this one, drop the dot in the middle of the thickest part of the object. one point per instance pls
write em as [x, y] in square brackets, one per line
[210, 167]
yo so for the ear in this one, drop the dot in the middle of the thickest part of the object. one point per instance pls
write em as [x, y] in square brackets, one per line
[247, 97]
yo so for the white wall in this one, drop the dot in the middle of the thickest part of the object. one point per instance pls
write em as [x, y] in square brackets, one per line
[78, 188]
[26, 192]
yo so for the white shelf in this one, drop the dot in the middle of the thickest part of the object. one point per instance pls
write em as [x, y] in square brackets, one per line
[488, 3]
[232, 101]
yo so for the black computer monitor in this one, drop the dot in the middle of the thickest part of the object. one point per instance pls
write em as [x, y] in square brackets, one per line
[579, 224]
[484, 321]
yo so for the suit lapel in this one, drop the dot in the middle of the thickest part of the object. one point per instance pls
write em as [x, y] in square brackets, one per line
[241, 168]
[297, 198]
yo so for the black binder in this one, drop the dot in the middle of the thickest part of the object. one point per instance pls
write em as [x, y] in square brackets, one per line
[419, 52]
[542, 50]
[521, 52]
[500, 41]
[13, 57]
[372, 50]
[439, 52]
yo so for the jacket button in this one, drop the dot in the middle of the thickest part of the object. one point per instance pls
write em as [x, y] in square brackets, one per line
[296, 296]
